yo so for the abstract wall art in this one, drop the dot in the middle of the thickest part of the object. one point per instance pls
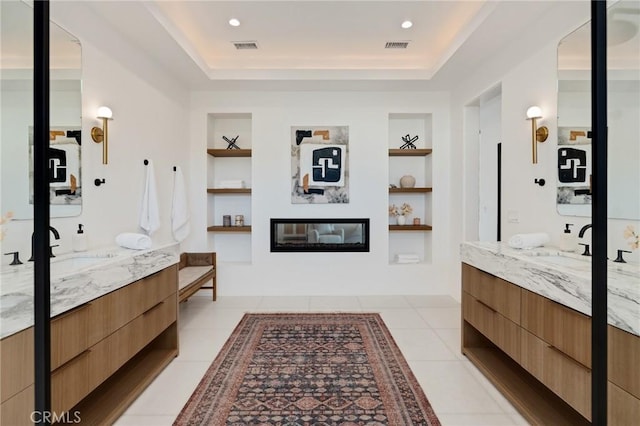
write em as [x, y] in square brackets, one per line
[574, 169]
[319, 164]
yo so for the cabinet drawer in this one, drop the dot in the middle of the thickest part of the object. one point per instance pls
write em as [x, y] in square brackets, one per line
[565, 376]
[624, 408]
[624, 357]
[16, 363]
[111, 353]
[74, 331]
[16, 411]
[501, 331]
[562, 327]
[133, 300]
[70, 382]
[498, 294]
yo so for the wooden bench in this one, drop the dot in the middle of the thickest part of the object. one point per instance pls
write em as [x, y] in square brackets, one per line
[195, 270]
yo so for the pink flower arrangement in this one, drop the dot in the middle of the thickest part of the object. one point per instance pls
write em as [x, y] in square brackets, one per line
[403, 210]
[4, 220]
[630, 234]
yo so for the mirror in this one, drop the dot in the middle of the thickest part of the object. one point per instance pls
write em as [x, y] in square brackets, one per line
[315, 235]
[574, 116]
[16, 120]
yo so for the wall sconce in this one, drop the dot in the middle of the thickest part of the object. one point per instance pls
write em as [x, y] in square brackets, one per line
[538, 134]
[102, 135]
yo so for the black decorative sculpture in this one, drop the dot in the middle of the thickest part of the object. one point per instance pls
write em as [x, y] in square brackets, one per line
[231, 142]
[408, 142]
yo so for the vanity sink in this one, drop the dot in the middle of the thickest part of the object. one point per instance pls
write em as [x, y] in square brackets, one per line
[569, 261]
[76, 262]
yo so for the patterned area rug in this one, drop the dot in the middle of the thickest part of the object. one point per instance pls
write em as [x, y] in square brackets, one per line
[309, 369]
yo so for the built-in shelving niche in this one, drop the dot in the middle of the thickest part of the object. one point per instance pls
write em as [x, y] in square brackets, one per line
[410, 239]
[232, 244]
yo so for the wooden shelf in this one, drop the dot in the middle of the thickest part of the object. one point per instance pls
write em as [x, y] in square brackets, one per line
[229, 152]
[218, 228]
[229, 190]
[410, 228]
[409, 152]
[533, 400]
[107, 402]
[410, 190]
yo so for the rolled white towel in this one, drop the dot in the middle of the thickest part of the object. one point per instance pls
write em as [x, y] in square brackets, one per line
[134, 241]
[528, 241]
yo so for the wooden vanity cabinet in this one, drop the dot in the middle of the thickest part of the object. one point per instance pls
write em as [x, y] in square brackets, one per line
[103, 353]
[549, 381]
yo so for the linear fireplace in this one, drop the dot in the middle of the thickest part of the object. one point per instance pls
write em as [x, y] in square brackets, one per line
[320, 235]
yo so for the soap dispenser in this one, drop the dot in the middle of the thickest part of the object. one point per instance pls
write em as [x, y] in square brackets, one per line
[79, 240]
[568, 241]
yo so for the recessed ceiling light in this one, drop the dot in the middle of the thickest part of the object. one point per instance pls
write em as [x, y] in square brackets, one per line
[407, 24]
[234, 22]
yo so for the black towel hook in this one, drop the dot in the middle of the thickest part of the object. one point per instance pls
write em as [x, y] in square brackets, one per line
[146, 161]
[174, 168]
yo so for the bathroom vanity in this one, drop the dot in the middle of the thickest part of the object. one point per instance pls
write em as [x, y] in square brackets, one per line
[113, 330]
[526, 326]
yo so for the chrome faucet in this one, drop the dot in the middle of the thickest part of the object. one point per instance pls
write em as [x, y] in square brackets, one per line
[56, 235]
[583, 230]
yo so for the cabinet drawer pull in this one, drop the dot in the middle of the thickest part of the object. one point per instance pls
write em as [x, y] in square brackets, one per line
[487, 306]
[73, 311]
[569, 357]
[72, 360]
[157, 305]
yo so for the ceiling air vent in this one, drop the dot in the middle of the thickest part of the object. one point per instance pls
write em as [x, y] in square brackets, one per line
[396, 45]
[244, 45]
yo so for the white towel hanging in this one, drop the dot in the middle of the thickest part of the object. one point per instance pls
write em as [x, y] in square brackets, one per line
[149, 211]
[180, 207]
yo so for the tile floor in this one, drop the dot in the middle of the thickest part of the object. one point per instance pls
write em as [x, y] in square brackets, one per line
[426, 328]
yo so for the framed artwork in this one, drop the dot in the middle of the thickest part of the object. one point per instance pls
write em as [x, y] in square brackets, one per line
[574, 170]
[319, 164]
[65, 184]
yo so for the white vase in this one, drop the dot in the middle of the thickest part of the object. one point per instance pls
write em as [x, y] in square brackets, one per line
[407, 181]
[401, 219]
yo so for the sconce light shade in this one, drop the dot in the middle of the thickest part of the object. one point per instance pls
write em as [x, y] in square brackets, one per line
[105, 112]
[538, 134]
[534, 112]
[101, 135]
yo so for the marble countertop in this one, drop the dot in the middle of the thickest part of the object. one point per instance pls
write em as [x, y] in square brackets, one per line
[77, 278]
[562, 277]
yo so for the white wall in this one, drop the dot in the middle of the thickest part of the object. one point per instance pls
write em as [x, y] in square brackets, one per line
[532, 81]
[366, 114]
[150, 121]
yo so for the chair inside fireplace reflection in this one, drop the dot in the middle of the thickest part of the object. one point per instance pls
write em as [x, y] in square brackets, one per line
[321, 233]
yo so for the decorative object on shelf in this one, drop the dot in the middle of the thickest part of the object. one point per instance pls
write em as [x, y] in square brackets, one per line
[239, 220]
[319, 166]
[416, 221]
[391, 185]
[407, 181]
[408, 142]
[400, 213]
[231, 143]
[226, 220]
